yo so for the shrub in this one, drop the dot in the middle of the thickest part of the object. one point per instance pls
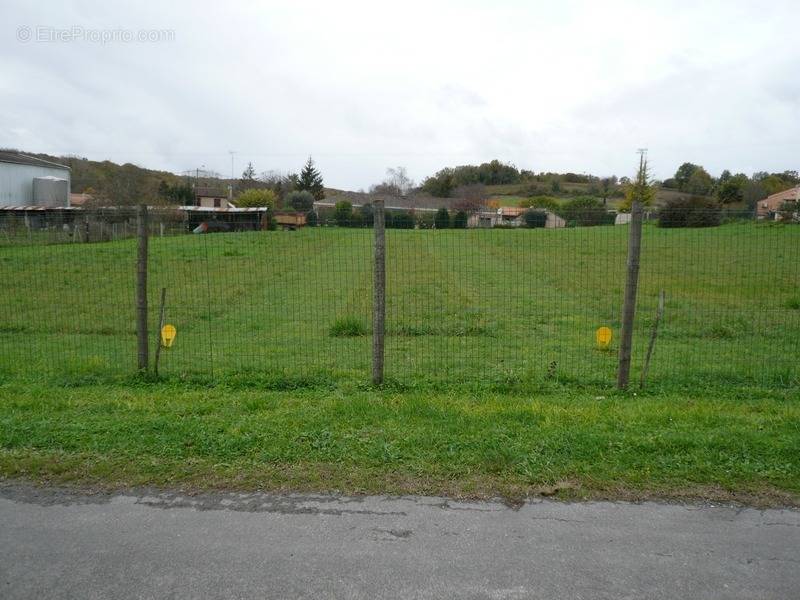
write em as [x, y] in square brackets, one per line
[367, 214]
[585, 211]
[347, 327]
[302, 200]
[442, 219]
[399, 220]
[460, 220]
[425, 219]
[356, 219]
[311, 219]
[343, 213]
[535, 218]
[545, 202]
[254, 198]
[690, 212]
[790, 212]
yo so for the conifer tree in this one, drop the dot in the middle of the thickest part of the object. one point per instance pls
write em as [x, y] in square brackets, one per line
[311, 180]
[641, 189]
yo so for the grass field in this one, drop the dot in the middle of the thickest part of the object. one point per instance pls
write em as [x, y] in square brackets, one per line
[484, 307]
[494, 384]
[725, 447]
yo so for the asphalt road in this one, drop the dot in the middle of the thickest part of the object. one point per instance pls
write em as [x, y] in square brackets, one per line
[56, 544]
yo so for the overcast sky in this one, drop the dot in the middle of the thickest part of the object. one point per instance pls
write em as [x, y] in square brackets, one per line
[548, 86]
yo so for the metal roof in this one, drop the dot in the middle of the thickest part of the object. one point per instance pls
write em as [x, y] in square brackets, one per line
[223, 210]
[400, 208]
[23, 159]
[39, 208]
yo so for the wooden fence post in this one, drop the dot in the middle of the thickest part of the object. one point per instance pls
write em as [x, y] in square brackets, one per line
[141, 289]
[629, 302]
[160, 327]
[379, 293]
[653, 334]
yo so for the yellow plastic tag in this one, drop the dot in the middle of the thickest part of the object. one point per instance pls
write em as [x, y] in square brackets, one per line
[603, 336]
[168, 333]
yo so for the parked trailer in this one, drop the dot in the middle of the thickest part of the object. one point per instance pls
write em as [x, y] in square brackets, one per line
[290, 220]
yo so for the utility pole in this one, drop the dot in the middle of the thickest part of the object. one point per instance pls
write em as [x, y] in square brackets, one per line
[230, 187]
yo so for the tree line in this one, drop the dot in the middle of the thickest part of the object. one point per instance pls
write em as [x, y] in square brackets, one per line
[729, 188]
[127, 184]
[291, 191]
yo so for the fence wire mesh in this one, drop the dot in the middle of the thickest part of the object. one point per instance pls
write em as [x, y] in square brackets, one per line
[462, 305]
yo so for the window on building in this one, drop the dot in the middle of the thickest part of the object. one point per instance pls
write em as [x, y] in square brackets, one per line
[217, 203]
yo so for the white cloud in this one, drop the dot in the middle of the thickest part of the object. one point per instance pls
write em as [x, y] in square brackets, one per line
[365, 85]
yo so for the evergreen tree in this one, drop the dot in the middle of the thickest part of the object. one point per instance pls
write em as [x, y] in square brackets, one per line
[248, 180]
[442, 219]
[460, 220]
[163, 190]
[641, 189]
[311, 180]
[249, 174]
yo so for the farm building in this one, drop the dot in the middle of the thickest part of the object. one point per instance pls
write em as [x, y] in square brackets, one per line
[768, 207]
[80, 199]
[223, 219]
[210, 197]
[30, 181]
[484, 219]
[512, 216]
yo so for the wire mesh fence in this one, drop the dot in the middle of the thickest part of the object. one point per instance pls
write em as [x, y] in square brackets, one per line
[473, 305]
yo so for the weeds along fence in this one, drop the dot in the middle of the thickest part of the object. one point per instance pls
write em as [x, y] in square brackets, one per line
[476, 306]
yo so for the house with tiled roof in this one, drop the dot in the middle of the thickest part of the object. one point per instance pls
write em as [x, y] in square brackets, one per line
[768, 207]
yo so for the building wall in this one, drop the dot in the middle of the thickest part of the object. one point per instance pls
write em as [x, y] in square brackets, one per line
[554, 221]
[773, 203]
[209, 202]
[16, 182]
[491, 219]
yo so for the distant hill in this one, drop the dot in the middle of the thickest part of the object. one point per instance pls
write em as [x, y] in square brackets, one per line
[128, 184]
[512, 194]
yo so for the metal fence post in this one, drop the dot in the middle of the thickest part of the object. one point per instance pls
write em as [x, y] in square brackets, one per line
[379, 293]
[141, 288]
[629, 302]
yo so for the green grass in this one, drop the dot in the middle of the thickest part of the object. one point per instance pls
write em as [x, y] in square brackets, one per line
[348, 327]
[719, 446]
[494, 385]
[486, 309]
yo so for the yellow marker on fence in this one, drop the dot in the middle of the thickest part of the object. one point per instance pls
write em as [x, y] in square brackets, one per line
[603, 337]
[168, 333]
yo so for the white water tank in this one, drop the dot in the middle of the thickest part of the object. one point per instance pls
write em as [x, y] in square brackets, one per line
[50, 191]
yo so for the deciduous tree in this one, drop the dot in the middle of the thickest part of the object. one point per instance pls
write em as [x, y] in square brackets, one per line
[254, 198]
